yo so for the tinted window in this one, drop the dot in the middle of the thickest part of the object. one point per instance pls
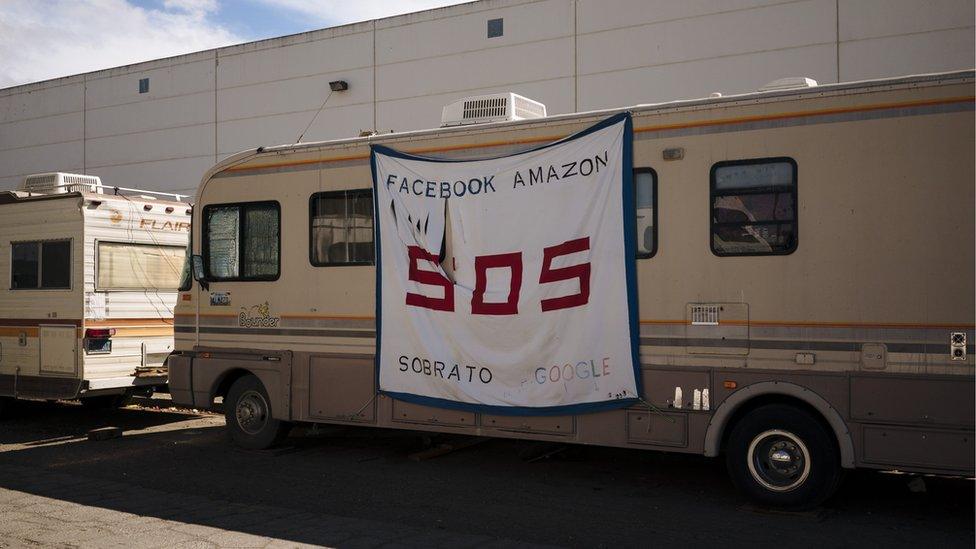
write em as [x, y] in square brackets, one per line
[242, 241]
[56, 264]
[496, 28]
[26, 265]
[341, 231]
[645, 187]
[753, 207]
[40, 265]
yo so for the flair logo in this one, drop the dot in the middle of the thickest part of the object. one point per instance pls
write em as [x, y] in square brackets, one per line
[258, 316]
[155, 225]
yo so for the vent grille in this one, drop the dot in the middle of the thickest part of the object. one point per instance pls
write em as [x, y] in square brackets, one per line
[45, 181]
[484, 108]
[705, 315]
[58, 182]
[496, 107]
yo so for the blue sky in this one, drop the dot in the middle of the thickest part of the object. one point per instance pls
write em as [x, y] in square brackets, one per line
[43, 39]
[254, 19]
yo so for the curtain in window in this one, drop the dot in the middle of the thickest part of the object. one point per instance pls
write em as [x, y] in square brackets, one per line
[223, 237]
[261, 243]
[127, 266]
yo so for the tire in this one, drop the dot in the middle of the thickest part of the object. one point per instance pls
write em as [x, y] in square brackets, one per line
[247, 410]
[106, 402]
[782, 456]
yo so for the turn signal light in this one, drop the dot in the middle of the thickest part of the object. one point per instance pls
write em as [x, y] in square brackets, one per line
[99, 333]
[730, 384]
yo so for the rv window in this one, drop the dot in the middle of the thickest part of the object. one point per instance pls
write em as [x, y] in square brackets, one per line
[40, 265]
[341, 228]
[26, 265]
[129, 266]
[223, 241]
[261, 242]
[645, 187]
[753, 207]
[242, 241]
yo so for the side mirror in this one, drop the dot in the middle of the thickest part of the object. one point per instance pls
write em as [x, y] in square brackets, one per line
[198, 273]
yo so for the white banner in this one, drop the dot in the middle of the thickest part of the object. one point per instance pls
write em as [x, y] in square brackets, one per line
[507, 285]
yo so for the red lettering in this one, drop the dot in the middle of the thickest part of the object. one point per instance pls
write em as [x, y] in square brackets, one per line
[430, 278]
[513, 261]
[581, 272]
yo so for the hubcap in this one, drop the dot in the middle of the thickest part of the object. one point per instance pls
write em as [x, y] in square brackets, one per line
[778, 460]
[251, 412]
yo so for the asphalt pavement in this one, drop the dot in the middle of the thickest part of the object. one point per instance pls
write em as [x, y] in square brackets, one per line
[174, 479]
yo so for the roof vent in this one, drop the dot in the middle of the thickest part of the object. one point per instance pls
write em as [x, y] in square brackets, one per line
[497, 107]
[789, 83]
[59, 182]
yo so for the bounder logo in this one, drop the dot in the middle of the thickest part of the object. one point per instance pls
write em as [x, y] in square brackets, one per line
[258, 316]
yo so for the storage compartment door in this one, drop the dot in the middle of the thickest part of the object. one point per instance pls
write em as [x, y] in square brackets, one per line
[341, 388]
[59, 350]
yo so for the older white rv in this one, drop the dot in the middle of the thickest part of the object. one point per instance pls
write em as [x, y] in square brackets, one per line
[91, 273]
[805, 272]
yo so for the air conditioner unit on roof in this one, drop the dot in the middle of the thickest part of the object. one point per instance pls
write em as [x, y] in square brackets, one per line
[59, 182]
[496, 107]
[789, 83]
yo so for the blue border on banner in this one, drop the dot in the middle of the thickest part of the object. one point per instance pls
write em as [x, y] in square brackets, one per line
[630, 268]
[378, 247]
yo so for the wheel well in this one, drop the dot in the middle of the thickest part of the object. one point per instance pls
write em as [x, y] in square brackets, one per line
[773, 398]
[223, 386]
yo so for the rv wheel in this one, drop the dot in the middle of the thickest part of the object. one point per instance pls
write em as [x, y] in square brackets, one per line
[781, 456]
[247, 410]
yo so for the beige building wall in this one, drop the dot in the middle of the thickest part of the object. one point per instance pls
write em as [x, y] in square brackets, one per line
[573, 55]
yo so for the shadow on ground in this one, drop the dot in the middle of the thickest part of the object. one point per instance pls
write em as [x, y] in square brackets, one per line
[26, 421]
[582, 496]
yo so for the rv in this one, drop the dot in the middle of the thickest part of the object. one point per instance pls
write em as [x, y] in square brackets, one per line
[805, 266]
[87, 309]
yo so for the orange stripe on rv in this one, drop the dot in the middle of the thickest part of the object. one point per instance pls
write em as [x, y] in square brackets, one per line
[805, 114]
[15, 332]
[138, 322]
[145, 331]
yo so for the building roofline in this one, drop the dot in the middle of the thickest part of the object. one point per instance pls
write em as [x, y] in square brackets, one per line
[313, 35]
